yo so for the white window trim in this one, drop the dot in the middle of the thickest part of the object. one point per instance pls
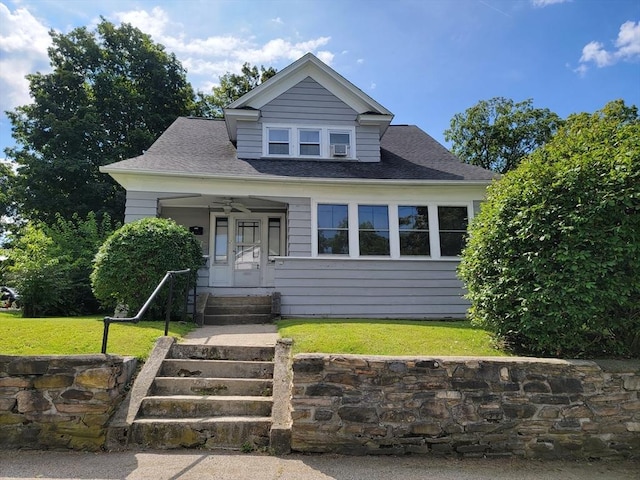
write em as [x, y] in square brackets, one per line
[294, 140]
[394, 228]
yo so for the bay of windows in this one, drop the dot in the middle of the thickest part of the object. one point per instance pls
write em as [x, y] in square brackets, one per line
[396, 231]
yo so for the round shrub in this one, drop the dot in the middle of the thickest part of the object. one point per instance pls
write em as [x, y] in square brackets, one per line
[133, 260]
[552, 263]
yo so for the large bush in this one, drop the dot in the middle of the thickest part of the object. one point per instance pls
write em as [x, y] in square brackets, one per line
[133, 260]
[552, 264]
[50, 265]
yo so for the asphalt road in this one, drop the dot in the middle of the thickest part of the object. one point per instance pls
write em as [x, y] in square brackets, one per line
[199, 465]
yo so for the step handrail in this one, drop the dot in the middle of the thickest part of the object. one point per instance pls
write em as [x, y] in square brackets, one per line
[168, 277]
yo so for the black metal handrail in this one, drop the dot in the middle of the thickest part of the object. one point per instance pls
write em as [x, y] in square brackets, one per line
[168, 277]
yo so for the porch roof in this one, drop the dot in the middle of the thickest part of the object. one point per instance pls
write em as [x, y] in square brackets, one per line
[196, 146]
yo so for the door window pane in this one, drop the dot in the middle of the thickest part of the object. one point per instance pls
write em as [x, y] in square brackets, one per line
[413, 223]
[274, 237]
[247, 232]
[453, 223]
[221, 240]
[373, 228]
[333, 229]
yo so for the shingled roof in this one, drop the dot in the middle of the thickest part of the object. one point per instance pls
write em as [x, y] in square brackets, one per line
[196, 146]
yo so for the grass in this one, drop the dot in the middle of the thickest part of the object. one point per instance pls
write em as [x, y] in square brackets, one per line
[387, 337]
[79, 335]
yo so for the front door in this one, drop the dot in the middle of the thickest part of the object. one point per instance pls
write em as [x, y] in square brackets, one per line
[247, 252]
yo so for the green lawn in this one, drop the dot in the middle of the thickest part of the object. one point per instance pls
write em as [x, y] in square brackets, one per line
[387, 337]
[79, 335]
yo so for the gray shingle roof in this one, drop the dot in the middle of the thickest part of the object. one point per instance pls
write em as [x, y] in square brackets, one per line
[202, 146]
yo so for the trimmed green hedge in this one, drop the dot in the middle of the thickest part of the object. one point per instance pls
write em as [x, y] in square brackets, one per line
[552, 263]
[133, 260]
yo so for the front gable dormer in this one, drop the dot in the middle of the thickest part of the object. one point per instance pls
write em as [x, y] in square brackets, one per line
[307, 111]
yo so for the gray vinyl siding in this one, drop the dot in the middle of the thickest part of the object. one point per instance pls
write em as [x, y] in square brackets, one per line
[191, 217]
[249, 142]
[299, 228]
[307, 103]
[368, 143]
[140, 205]
[370, 288]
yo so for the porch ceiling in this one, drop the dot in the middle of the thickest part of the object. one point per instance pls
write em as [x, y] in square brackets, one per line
[216, 202]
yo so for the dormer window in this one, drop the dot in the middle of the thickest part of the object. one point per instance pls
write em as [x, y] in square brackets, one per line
[329, 143]
[278, 141]
[309, 142]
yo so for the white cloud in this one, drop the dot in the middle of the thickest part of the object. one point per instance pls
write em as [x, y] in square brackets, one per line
[326, 57]
[24, 40]
[628, 41]
[23, 49]
[595, 52]
[546, 3]
[216, 55]
[154, 23]
[627, 49]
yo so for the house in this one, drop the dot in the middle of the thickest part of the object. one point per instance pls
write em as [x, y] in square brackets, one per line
[305, 188]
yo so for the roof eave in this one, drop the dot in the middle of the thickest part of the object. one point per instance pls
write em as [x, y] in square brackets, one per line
[275, 178]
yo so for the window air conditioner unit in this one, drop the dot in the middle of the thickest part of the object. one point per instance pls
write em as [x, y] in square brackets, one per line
[339, 150]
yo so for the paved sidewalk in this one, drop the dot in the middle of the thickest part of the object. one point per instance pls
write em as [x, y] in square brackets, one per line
[264, 334]
[200, 465]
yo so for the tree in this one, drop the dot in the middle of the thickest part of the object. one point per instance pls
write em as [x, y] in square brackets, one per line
[7, 206]
[111, 93]
[497, 134]
[133, 260]
[50, 265]
[552, 264]
[232, 86]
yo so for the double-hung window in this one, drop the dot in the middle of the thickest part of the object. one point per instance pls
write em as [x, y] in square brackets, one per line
[413, 225]
[339, 143]
[278, 141]
[333, 229]
[453, 223]
[309, 142]
[373, 229]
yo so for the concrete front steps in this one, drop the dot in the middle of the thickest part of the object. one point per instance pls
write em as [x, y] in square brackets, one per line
[239, 309]
[205, 396]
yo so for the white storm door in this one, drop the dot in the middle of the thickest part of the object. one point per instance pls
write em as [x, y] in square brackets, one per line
[247, 253]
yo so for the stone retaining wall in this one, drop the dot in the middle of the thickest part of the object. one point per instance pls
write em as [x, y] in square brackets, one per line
[60, 401]
[533, 408]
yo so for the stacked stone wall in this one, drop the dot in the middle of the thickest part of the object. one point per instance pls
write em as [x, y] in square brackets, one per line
[60, 401]
[472, 407]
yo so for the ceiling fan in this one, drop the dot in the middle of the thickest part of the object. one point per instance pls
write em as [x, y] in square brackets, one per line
[228, 205]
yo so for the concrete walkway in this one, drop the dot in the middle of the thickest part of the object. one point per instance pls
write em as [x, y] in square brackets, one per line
[201, 465]
[264, 334]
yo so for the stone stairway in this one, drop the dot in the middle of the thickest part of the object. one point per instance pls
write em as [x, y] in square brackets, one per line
[239, 309]
[201, 396]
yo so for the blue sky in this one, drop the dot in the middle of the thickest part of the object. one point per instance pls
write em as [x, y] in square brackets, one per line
[425, 60]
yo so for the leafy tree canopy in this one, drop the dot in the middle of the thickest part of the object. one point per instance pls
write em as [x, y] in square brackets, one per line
[111, 93]
[50, 265]
[6, 203]
[232, 86]
[498, 133]
[552, 264]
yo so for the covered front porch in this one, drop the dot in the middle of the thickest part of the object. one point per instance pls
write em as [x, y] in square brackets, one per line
[240, 237]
